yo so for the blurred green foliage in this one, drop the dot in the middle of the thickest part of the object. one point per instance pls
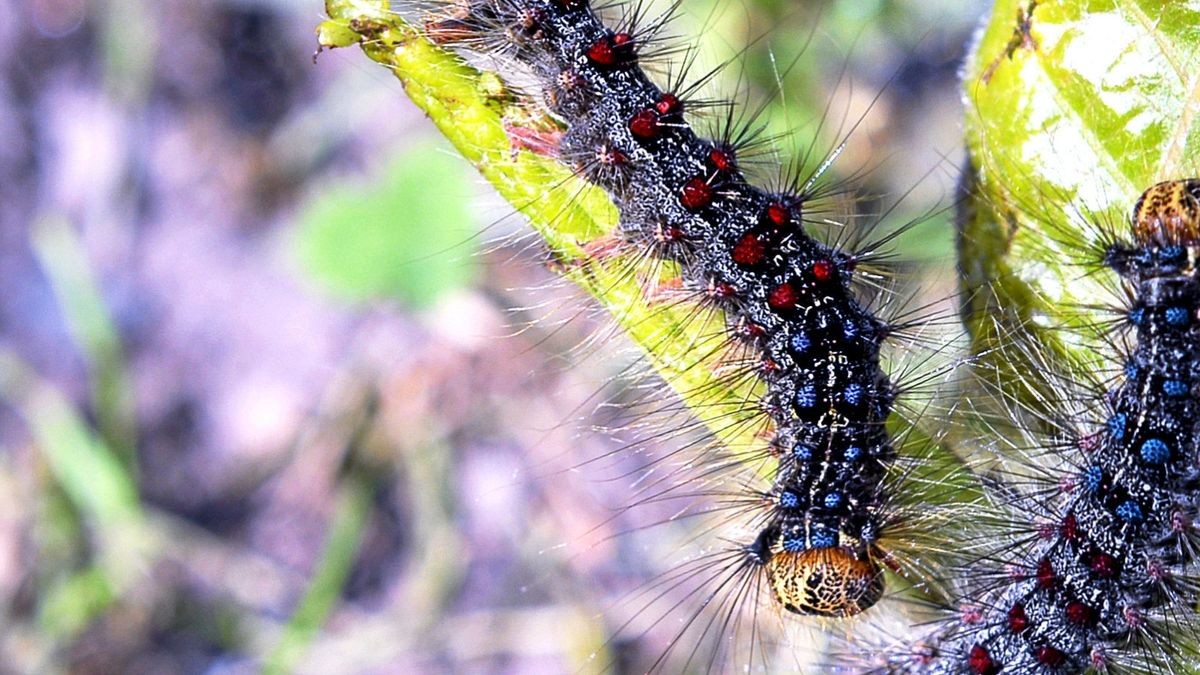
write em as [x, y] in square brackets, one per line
[407, 236]
[60, 252]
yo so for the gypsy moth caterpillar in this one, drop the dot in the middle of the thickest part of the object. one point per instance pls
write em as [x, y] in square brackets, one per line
[782, 322]
[1089, 565]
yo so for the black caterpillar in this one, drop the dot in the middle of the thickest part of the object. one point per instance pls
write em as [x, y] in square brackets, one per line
[787, 298]
[1108, 579]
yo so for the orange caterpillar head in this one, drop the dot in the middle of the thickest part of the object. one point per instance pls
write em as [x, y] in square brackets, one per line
[1168, 214]
[824, 581]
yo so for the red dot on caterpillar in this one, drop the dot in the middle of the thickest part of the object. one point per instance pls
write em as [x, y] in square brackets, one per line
[721, 159]
[980, 661]
[749, 250]
[783, 296]
[612, 50]
[778, 214]
[1080, 614]
[830, 582]
[644, 124]
[824, 270]
[1050, 656]
[1017, 620]
[601, 52]
[696, 194]
[668, 104]
[1103, 565]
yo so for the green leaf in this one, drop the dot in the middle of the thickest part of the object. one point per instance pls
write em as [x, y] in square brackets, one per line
[408, 236]
[1073, 109]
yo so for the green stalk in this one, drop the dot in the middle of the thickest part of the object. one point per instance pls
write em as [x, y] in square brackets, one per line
[325, 587]
[472, 109]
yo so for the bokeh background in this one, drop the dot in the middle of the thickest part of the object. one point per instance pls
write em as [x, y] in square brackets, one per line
[282, 386]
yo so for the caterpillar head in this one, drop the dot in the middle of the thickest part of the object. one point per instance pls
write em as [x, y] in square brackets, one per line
[1168, 214]
[832, 582]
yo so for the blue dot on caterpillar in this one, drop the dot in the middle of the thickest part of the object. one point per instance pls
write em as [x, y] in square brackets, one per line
[785, 294]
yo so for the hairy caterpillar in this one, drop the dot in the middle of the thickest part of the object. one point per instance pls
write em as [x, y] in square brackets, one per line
[1103, 575]
[786, 297]
[789, 322]
[603, 163]
[1088, 563]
